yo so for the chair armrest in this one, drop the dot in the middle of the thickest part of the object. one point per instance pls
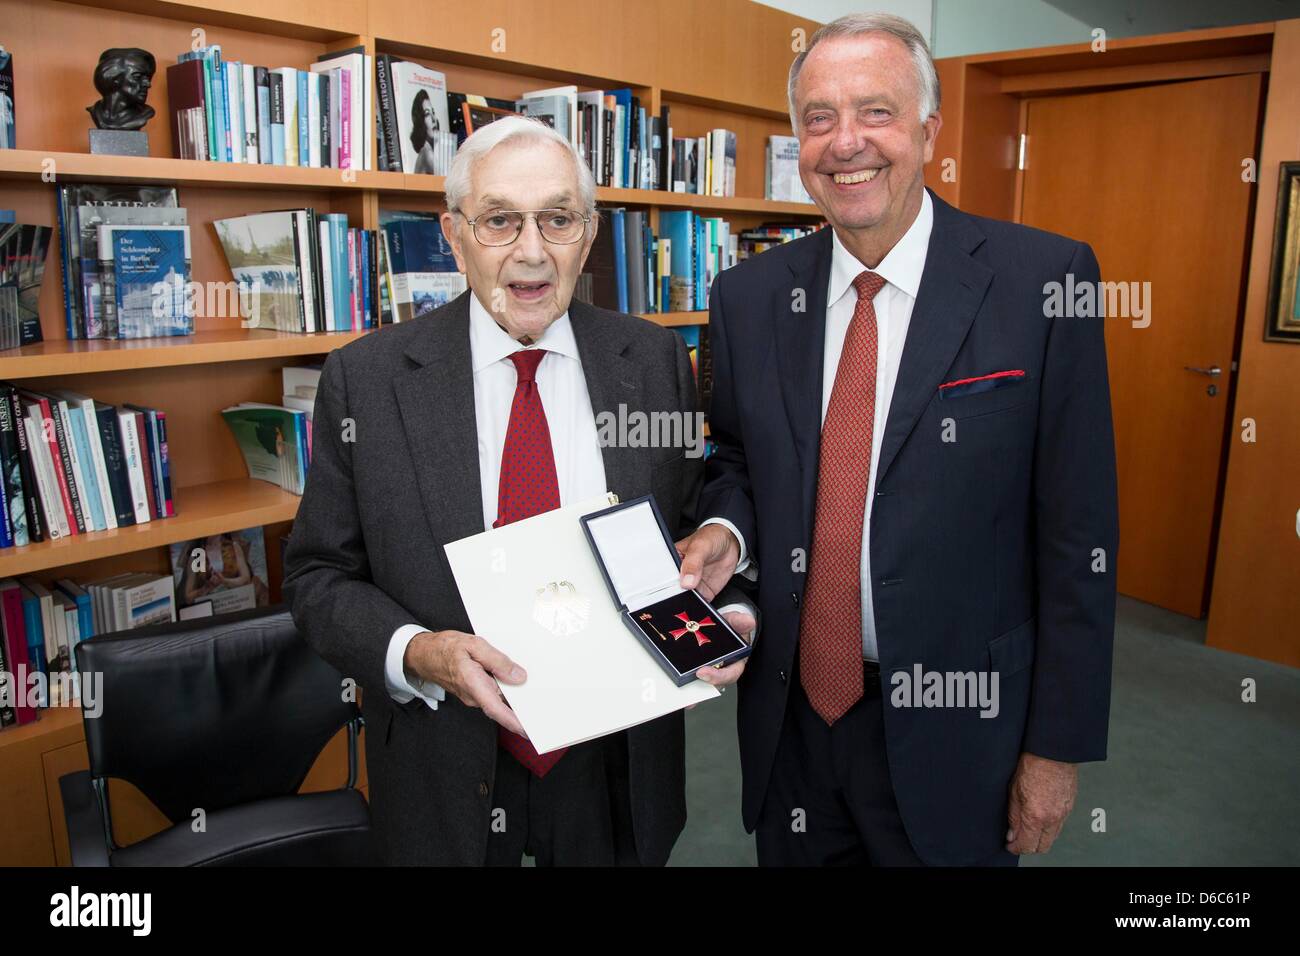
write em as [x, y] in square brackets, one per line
[86, 837]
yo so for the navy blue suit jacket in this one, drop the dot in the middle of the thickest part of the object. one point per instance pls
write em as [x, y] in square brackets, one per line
[984, 549]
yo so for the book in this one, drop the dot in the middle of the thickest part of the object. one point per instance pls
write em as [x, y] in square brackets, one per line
[358, 106]
[227, 571]
[8, 130]
[781, 171]
[271, 439]
[71, 198]
[23, 251]
[99, 314]
[424, 138]
[423, 271]
[145, 272]
[263, 255]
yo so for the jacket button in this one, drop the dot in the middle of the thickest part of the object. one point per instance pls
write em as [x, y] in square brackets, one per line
[482, 788]
[781, 676]
[794, 597]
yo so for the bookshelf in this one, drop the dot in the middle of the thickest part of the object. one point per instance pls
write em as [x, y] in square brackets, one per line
[720, 66]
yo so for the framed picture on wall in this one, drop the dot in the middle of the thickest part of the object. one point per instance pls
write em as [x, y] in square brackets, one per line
[1283, 323]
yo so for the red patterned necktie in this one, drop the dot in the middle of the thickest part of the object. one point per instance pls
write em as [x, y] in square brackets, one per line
[528, 487]
[830, 630]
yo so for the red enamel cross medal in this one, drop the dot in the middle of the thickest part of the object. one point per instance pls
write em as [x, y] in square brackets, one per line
[692, 627]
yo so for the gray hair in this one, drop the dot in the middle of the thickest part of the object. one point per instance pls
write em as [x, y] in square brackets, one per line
[856, 24]
[485, 139]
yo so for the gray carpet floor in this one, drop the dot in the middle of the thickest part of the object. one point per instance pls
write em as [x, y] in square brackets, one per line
[1195, 776]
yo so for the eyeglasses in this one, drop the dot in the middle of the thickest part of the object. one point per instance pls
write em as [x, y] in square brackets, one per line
[500, 227]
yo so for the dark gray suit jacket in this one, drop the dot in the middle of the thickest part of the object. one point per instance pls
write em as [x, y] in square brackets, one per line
[366, 557]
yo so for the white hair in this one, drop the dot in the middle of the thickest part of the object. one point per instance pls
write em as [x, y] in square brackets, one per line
[510, 128]
[857, 24]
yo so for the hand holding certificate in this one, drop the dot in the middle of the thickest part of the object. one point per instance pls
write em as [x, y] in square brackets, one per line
[536, 591]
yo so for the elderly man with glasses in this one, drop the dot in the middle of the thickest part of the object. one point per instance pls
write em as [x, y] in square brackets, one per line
[479, 414]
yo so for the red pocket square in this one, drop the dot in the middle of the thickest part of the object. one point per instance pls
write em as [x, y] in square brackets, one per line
[1010, 373]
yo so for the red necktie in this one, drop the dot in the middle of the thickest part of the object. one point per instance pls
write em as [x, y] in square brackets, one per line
[830, 630]
[528, 487]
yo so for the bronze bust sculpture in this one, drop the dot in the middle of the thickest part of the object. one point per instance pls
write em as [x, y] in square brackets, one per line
[123, 77]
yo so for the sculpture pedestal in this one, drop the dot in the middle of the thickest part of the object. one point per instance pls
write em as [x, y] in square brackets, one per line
[119, 142]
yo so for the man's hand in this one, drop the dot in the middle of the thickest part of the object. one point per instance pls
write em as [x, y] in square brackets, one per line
[742, 623]
[465, 665]
[709, 559]
[1042, 795]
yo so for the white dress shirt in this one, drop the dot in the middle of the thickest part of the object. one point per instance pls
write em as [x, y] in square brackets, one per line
[579, 467]
[901, 269]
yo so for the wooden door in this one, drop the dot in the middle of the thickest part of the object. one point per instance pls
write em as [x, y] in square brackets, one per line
[1151, 177]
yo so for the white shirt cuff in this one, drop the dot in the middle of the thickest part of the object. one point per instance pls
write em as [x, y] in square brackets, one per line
[399, 688]
[743, 564]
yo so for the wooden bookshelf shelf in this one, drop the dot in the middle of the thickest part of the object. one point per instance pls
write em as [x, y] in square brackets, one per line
[33, 165]
[63, 723]
[82, 356]
[201, 510]
[37, 165]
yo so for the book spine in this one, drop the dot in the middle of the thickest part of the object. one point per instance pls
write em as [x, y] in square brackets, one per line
[327, 272]
[47, 487]
[115, 465]
[69, 323]
[345, 118]
[15, 501]
[31, 498]
[252, 153]
[78, 452]
[62, 453]
[96, 453]
[354, 309]
[165, 466]
[304, 139]
[146, 462]
[235, 108]
[387, 118]
[262, 77]
[276, 82]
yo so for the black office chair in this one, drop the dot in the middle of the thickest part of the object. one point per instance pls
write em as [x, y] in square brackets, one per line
[226, 715]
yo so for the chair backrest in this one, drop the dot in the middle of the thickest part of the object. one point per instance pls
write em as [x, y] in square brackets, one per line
[211, 713]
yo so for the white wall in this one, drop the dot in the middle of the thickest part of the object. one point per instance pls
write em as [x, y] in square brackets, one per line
[920, 12]
[959, 27]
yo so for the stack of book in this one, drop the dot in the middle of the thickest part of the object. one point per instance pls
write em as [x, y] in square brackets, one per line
[621, 143]
[232, 112]
[769, 235]
[125, 252]
[632, 270]
[275, 440]
[705, 165]
[298, 271]
[23, 250]
[781, 171]
[72, 465]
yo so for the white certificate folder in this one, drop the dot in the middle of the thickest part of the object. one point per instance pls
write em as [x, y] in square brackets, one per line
[534, 590]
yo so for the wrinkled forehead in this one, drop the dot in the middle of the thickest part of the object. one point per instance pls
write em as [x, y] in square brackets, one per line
[525, 174]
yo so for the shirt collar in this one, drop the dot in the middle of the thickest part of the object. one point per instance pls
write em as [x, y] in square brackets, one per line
[489, 343]
[902, 265]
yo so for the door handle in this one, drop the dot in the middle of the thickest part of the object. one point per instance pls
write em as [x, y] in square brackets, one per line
[1213, 371]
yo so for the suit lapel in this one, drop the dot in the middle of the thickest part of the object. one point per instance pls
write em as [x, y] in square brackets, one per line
[952, 287]
[436, 403]
[800, 341]
[612, 380]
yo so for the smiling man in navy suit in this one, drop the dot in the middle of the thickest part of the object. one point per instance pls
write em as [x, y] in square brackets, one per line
[917, 465]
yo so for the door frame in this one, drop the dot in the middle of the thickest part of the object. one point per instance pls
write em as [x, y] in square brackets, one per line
[985, 110]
